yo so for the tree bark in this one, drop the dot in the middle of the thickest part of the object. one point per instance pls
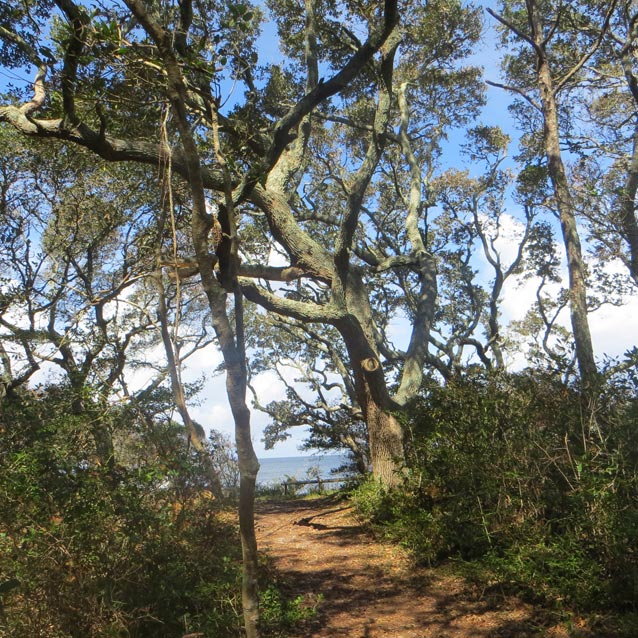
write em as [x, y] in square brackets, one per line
[385, 434]
[627, 198]
[566, 209]
[385, 437]
[627, 210]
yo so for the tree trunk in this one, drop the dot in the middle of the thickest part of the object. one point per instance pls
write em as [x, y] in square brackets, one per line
[385, 435]
[232, 349]
[103, 438]
[249, 587]
[629, 224]
[248, 468]
[196, 436]
[566, 208]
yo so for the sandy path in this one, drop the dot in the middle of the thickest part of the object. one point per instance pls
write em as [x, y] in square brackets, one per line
[367, 589]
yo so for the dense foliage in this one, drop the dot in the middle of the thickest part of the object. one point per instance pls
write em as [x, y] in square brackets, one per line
[135, 550]
[505, 471]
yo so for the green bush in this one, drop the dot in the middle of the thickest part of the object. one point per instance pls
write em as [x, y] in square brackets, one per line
[505, 470]
[106, 551]
[281, 613]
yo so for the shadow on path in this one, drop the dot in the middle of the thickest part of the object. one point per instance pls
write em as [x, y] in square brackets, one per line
[364, 588]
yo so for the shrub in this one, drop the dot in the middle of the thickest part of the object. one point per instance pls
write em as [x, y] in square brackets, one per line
[505, 469]
[105, 551]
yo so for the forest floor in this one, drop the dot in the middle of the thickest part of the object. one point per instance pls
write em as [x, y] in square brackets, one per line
[362, 587]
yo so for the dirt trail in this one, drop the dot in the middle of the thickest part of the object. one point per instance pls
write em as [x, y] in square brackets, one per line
[367, 589]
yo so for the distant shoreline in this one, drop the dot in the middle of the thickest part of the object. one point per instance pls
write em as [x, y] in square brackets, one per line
[278, 469]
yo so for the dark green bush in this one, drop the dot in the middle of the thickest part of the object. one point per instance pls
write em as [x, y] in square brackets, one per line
[122, 550]
[505, 469]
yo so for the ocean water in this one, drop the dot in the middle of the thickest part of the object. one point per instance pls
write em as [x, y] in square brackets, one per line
[276, 470]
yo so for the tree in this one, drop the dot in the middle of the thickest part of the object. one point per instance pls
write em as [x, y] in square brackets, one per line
[605, 176]
[551, 46]
[184, 55]
[354, 209]
[316, 194]
[268, 165]
[474, 212]
[468, 220]
[70, 249]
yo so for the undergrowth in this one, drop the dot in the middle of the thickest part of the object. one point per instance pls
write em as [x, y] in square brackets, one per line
[505, 474]
[141, 550]
[281, 609]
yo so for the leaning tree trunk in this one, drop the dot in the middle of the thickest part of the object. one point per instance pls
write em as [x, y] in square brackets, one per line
[195, 437]
[627, 209]
[385, 434]
[232, 348]
[575, 263]
[566, 209]
[627, 197]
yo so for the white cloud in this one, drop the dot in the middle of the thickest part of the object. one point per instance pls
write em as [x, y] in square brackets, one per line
[204, 360]
[609, 325]
[268, 386]
[611, 328]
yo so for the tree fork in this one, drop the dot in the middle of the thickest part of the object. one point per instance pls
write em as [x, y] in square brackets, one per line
[232, 350]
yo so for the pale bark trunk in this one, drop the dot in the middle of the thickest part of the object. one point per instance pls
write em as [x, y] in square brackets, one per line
[248, 468]
[566, 209]
[385, 435]
[104, 448]
[231, 345]
[236, 381]
[427, 295]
